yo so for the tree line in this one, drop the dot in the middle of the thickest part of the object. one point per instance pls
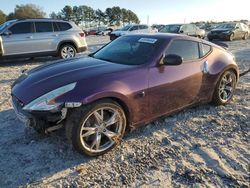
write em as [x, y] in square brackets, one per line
[88, 16]
[22, 12]
[82, 14]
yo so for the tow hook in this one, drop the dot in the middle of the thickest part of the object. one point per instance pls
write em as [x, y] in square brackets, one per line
[51, 129]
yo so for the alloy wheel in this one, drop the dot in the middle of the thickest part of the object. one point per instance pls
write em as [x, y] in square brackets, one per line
[226, 87]
[67, 52]
[102, 129]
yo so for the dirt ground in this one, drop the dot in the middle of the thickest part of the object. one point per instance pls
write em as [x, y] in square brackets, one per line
[206, 146]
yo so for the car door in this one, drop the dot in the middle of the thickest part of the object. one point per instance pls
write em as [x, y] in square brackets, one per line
[242, 30]
[237, 31]
[174, 87]
[44, 37]
[20, 39]
[192, 30]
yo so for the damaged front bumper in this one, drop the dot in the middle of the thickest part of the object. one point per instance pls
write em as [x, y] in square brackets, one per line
[39, 119]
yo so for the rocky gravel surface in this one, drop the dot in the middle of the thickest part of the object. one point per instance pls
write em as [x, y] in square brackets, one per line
[205, 146]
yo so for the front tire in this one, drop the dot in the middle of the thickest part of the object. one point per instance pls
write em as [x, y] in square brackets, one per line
[225, 88]
[67, 51]
[96, 128]
[231, 37]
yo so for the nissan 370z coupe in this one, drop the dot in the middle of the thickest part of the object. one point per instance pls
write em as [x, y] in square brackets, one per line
[129, 82]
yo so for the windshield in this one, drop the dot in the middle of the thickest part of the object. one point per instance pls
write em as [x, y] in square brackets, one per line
[125, 28]
[6, 24]
[170, 29]
[227, 26]
[129, 50]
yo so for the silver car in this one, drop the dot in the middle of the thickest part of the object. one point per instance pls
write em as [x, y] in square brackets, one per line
[131, 29]
[41, 37]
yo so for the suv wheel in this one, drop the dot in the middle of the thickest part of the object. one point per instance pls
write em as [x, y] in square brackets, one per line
[67, 51]
[96, 128]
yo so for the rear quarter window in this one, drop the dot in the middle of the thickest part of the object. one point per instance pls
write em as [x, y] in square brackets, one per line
[205, 49]
[63, 26]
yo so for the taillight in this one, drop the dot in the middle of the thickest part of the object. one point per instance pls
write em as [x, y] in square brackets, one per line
[82, 34]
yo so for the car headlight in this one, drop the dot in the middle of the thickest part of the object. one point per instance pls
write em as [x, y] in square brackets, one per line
[226, 32]
[47, 101]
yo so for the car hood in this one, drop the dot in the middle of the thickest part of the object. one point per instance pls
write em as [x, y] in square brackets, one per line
[44, 79]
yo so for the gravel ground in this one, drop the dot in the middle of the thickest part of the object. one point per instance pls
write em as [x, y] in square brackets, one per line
[205, 146]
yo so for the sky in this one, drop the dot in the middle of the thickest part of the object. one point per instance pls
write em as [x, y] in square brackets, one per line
[156, 11]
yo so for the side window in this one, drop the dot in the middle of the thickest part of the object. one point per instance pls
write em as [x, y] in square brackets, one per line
[63, 26]
[43, 27]
[22, 28]
[184, 28]
[205, 49]
[189, 28]
[133, 28]
[55, 26]
[143, 27]
[188, 50]
[194, 27]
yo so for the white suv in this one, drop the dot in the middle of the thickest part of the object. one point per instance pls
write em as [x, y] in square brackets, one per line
[135, 28]
[41, 37]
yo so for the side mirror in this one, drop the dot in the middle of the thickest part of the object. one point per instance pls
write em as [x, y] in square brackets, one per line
[172, 59]
[7, 33]
[181, 31]
[237, 28]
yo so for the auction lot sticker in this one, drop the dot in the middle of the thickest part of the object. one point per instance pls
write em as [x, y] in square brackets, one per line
[147, 40]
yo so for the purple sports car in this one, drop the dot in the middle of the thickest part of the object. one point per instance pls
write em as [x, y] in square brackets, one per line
[127, 83]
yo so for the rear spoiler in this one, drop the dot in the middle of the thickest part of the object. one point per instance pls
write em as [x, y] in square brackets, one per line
[221, 44]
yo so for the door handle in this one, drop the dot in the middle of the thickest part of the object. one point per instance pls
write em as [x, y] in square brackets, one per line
[55, 35]
[142, 94]
[30, 37]
[205, 67]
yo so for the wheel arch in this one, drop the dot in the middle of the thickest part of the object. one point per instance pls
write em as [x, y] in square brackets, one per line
[66, 42]
[116, 97]
[123, 105]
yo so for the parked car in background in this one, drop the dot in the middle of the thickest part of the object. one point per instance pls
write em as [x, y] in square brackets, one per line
[128, 29]
[187, 29]
[129, 82]
[105, 31]
[41, 37]
[92, 32]
[229, 31]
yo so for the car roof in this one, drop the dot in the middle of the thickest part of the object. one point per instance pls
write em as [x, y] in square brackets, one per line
[42, 19]
[168, 36]
[171, 36]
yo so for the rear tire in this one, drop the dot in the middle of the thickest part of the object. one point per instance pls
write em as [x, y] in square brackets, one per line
[225, 88]
[96, 128]
[67, 51]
